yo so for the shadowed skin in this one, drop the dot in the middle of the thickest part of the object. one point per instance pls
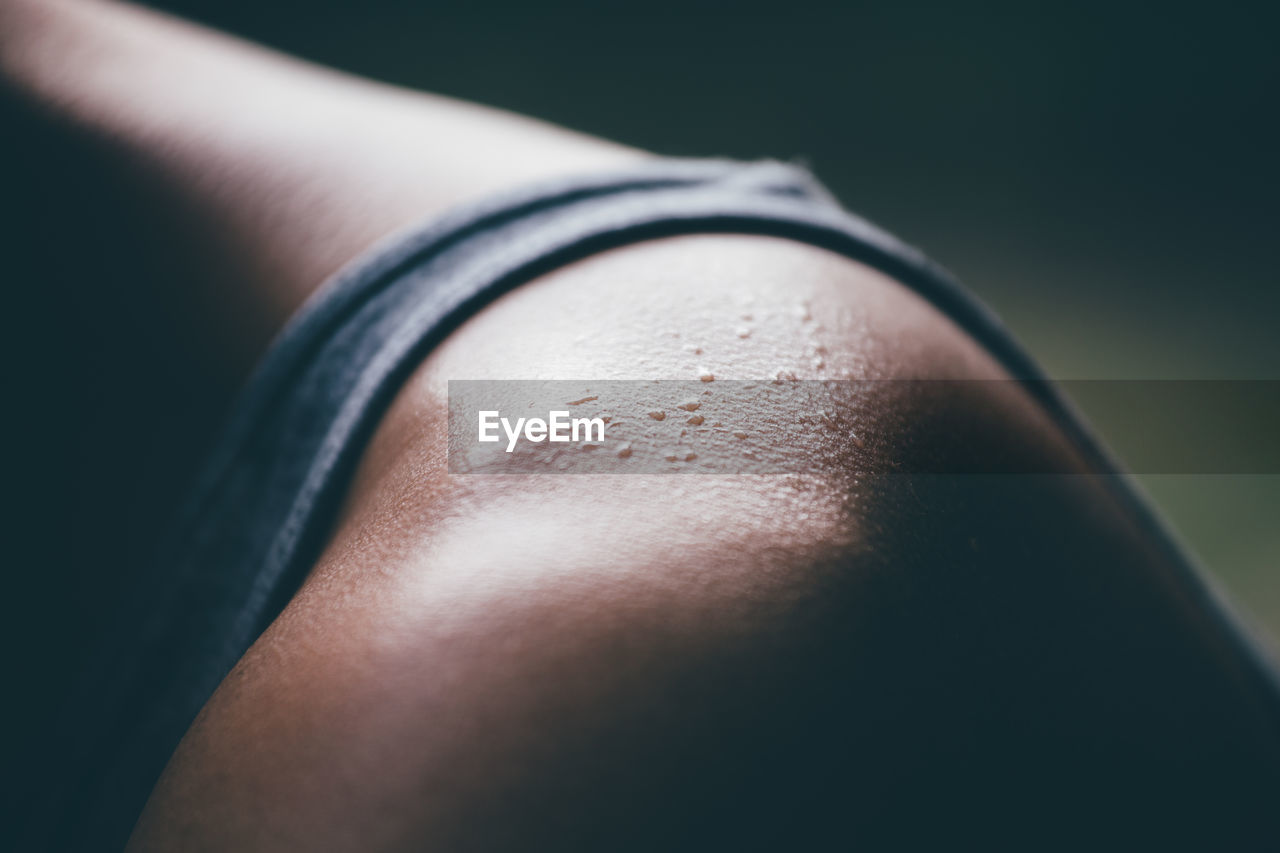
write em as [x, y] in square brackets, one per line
[556, 661]
[827, 658]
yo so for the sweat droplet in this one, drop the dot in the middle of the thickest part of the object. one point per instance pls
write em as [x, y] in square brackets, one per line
[624, 451]
[696, 420]
[744, 331]
[706, 375]
[690, 405]
[689, 457]
[658, 415]
[740, 435]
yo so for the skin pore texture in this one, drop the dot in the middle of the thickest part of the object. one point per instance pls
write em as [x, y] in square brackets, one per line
[835, 656]
[622, 662]
[521, 615]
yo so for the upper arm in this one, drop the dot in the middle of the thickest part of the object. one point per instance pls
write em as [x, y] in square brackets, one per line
[606, 662]
[236, 179]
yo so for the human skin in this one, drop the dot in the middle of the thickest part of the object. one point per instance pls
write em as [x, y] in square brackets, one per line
[643, 663]
[276, 171]
[482, 662]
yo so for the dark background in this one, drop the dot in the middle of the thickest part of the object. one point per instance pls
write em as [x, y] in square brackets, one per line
[1102, 174]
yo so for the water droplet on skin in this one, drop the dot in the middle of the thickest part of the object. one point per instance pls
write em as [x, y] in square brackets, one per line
[624, 452]
[744, 332]
[658, 415]
[858, 442]
[690, 405]
[696, 420]
[802, 311]
[740, 434]
[706, 375]
[670, 457]
[689, 457]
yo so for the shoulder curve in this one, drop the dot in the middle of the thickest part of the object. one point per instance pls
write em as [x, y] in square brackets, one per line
[473, 664]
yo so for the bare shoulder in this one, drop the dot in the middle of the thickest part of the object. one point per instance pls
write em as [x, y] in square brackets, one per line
[655, 663]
